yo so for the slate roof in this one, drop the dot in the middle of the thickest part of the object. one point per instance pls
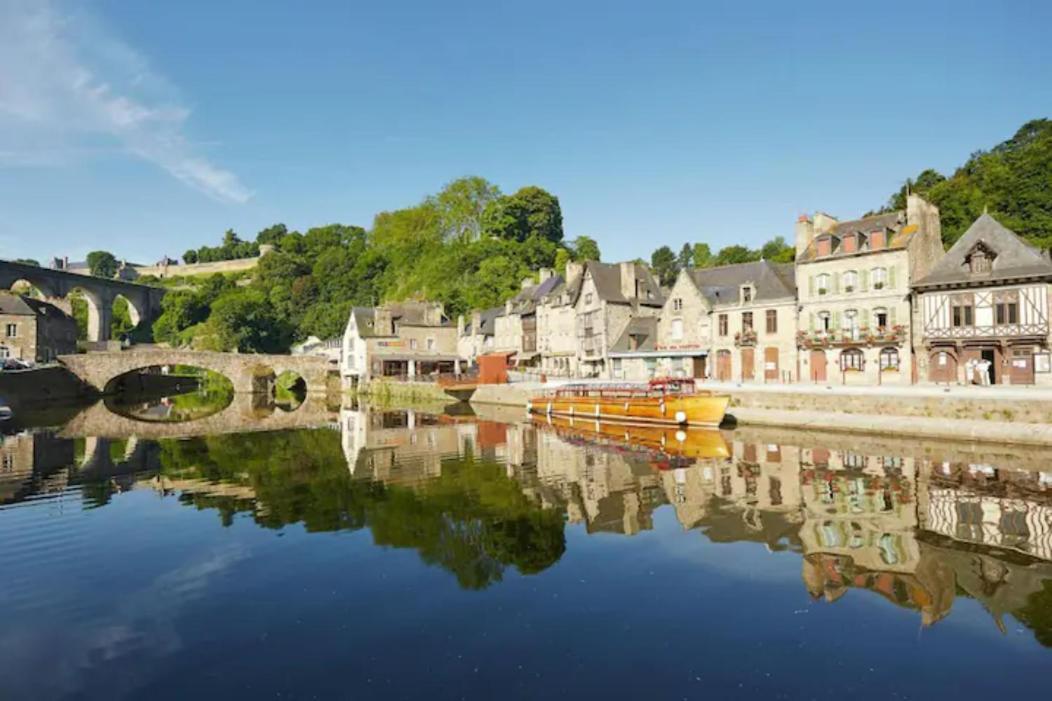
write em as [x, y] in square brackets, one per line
[487, 321]
[21, 305]
[1013, 257]
[363, 319]
[895, 222]
[527, 299]
[607, 278]
[645, 326]
[722, 285]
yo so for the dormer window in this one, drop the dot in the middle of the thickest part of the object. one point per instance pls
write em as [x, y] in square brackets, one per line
[878, 240]
[979, 262]
[850, 243]
[824, 246]
[746, 294]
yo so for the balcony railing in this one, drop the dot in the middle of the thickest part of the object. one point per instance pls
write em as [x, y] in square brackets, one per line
[893, 335]
[997, 331]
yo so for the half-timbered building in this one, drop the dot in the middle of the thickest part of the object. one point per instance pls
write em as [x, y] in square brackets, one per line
[982, 311]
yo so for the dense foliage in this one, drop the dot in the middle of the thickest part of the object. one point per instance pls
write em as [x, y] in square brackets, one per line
[1013, 181]
[666, 264]
[102, 264]
[232, 247]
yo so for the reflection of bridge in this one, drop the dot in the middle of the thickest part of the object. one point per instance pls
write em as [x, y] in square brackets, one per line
[247, 413]
[144, 302]
[248, 372]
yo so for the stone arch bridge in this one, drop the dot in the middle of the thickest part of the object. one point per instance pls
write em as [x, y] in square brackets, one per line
[248, 372]
[144, 302]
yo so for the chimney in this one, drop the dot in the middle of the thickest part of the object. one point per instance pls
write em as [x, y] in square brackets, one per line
[805, 233]
[460, 325]
[383, 324]
[628, 279]
[545, 273]
[476, 323]
[507, 307]
[527, 283]
[573, 270]
[924, 215]
[824, 222]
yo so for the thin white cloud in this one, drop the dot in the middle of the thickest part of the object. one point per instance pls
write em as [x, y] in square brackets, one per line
[66, 83]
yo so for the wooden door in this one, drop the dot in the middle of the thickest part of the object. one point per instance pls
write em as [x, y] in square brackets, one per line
[942, 367]
[699, 367]
[1021, 366]
[748, 364]
[818, 365]
[723, 366]
[770, 364]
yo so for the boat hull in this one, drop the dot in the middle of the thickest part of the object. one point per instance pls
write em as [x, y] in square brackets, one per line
[682, 410]
[670, 441]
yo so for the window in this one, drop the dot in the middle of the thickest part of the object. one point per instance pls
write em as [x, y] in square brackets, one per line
[12, 330]
[880, 278]
[822, 283]
[677, 330]
[850, 281]
[5, 352]
[723, 324]
[412, 344]
[677, 304]
[588, 298]
[431, 344]
[880, 318]
[772, 321]
[889, 359]
[617, 365]
[852, 359]
[651, 364]
[876, 240]
[824, 246]
[746, 321]
[746, 294]
[963, 314]
[825, 321]
[850, 324]
[1007, 312]
[979, 262]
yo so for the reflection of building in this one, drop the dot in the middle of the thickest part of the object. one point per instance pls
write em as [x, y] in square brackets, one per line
[33, 330]
[33, 463]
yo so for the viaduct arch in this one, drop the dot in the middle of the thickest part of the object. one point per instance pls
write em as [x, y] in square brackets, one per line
[144, 301]
[248, 372]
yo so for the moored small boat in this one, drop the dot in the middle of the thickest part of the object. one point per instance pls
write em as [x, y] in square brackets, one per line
[673, 401]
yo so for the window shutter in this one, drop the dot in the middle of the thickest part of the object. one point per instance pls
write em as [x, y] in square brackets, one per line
[891, 316]
[811, 285]
[834, 283]
[891, 277]
[863, 280]
[863, 315]
[811, 322]
[836, 321]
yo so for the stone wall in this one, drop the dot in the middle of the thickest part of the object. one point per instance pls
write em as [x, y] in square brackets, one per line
[21, 387]
[190, 269]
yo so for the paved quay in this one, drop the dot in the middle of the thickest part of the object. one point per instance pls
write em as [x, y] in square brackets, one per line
[877, 422]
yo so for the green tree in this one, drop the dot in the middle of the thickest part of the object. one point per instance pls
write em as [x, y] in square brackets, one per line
[190, 257]
[778, 251]
[460, 206]
[702, 256]
[103, 264]
[245, 320]
[685, 257]
[730, 255]
[28, 261]
[665, 265]
[272, 235]
[585, 248]
[531, 211]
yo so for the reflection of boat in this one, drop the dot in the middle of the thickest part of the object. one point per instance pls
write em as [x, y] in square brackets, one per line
[661, 401]
[669, 446]
[5, 413]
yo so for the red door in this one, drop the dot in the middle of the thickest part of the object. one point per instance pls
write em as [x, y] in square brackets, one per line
[818, 365]
[1021, 366]
[723, 366]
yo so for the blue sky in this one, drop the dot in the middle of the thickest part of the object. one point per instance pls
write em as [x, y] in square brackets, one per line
[149, 128]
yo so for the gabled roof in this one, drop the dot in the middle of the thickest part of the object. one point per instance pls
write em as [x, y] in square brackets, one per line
[607, 278]
[527, 299]
[487, 321]
[645, 326]
[722, 285]
[1013, 257]
[363, 320]
[21, 305]
[893, 222]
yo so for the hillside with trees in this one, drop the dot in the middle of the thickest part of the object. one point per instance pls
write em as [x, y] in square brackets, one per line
[1012, 181]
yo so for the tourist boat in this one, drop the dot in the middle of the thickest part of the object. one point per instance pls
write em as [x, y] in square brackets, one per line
[666, 446]
[6, 414]
[671, 400]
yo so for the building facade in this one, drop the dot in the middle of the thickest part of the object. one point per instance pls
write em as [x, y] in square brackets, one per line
[404, 339]
[982, 313]
[853, 279]
[34, 331]
[515, 330]
[557, 325]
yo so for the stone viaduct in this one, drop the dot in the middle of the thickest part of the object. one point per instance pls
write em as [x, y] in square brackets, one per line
[144, 302]
[248, 372]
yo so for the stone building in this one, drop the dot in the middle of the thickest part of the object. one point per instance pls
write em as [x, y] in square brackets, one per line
[398, 339]
[734, 322]
[609, 296]
[33, 330]
[853, 279]
[557, 325]
[515, 330]
[983, 309]
[475, 336]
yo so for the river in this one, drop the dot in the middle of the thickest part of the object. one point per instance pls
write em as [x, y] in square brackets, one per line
[404, 553]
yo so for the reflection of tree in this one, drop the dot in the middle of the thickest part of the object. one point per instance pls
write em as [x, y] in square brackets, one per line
[472, 519]
[1037, 613]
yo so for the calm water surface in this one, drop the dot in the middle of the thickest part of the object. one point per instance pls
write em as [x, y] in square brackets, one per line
[262, 552]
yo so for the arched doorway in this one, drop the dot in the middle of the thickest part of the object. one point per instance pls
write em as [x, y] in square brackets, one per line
[942, 367]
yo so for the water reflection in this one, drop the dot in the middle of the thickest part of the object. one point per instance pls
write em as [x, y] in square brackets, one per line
[919, 525]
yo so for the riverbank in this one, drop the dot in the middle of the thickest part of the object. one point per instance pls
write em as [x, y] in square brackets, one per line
[994, 414]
